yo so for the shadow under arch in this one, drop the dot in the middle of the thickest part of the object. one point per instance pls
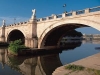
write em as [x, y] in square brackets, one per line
[75, 23]
[53, 37]
[16, 35]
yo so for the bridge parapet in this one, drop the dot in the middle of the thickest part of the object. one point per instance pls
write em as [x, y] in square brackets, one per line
[72, 13]
[94, 9]
[17, 24]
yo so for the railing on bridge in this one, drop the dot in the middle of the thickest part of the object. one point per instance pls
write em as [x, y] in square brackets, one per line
[80, 12]
[72, 13]
[16, 24]
[69, 14]
[94, 9]
[59, 16]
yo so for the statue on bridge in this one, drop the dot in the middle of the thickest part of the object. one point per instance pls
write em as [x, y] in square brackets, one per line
[34, 14]
[3, 23]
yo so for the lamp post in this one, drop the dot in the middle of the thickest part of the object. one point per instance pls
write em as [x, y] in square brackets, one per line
[64, 6]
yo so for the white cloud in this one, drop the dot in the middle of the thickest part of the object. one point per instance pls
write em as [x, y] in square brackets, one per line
[10, 20]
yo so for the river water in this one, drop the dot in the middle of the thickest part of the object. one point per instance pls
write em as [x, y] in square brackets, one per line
[45, 64]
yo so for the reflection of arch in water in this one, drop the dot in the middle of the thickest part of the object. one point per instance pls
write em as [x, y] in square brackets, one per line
[48, 63]
[43, 65]
[24, 65]
[28, 66]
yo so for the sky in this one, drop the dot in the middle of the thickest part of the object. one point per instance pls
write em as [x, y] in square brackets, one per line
[21, 10]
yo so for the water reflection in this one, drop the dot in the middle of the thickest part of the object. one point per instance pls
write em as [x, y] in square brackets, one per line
[49, 63]
[87, 48]
[28, 66]
[43, 64]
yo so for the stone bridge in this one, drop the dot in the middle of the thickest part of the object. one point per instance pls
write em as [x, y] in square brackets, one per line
[48, 31]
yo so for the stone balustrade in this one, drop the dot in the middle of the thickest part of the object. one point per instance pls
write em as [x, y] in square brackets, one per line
[16, 24]
[72, 13]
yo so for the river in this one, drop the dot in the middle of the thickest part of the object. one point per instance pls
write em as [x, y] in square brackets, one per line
[45, 64]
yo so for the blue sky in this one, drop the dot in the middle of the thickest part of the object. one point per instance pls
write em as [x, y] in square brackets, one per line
[22, 9]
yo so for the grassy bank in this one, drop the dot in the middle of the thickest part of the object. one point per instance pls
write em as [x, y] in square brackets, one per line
[77, 68]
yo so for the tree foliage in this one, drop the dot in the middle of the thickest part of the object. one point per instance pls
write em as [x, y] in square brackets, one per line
[73, 33]
[14, 46]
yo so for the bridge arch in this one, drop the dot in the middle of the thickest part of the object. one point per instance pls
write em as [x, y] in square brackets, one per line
[79, 22]
[15, 35]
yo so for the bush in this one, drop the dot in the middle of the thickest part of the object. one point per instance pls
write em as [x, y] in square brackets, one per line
[14, 46]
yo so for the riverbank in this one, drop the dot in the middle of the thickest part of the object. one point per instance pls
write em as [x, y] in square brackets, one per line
[92, 62]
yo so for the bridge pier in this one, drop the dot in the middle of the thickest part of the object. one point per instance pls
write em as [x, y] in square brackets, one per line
[31, 42]
[2, 39]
